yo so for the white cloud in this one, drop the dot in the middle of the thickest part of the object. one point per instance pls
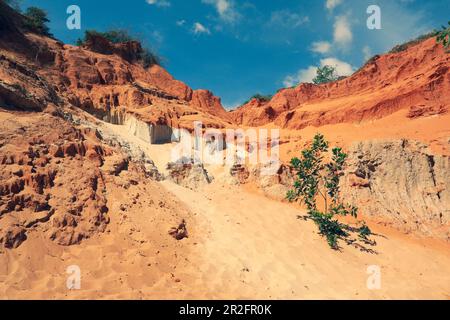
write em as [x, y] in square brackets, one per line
[157, 37]
[342, 33]
[181, 23]
[342, 68]
[342, 37]
[303, 75]
[367, 53]
[331, 4]
[198, 28]
[225, 9]
[286, 18]
[159, 3]
[234, 104]
[321, 47]
[308, 74]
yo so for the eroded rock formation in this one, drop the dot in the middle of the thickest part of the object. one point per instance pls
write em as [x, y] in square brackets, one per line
[188, 173]
[401, 183]
[41, 186]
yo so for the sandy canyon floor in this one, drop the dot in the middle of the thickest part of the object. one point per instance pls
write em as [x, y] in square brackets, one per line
[241, 246]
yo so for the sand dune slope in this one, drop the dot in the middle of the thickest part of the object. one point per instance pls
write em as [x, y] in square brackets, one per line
[241, 246]
[258, 248]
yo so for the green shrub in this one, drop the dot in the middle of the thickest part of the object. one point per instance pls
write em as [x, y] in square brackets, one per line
[319, 180]
[36, 21]
[114, 36]
[260, 97]
[406, 45]
[325, 74]
[444, 37]
[146, 56]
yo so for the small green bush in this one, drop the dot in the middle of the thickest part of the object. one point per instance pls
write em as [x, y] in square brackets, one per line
[406, 45]
[147, 57]
[114, 36]
[444, 37]
[260, 97]
[325, 74]
[36, 21]
[319, 179]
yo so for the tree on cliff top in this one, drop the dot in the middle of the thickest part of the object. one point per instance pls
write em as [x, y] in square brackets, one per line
[444, 37]
[259, 97]
[147, 56]
[36, 21]
[114, 36]
[325, 74]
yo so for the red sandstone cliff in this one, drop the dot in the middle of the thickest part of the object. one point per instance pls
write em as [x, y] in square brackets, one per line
[98, 77]
[417, 80]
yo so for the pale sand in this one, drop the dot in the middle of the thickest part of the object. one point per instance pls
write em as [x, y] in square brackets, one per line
[241, 246]
[257, 248]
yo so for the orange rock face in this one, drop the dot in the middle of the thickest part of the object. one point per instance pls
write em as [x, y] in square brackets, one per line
[98, 77]
[100, 82]
[205, 101]
[41, 186]
[160, 78]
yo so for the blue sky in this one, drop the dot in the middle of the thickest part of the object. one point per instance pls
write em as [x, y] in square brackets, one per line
[239, 48]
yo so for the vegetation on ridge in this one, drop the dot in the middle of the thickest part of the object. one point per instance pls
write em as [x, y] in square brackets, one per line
[114, 36]
[259, 97]
[146, 56]
[406, 45]
[36, 21]
[325, 74]
[444, 37]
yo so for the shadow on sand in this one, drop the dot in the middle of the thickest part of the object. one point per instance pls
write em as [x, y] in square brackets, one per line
[352, 238]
